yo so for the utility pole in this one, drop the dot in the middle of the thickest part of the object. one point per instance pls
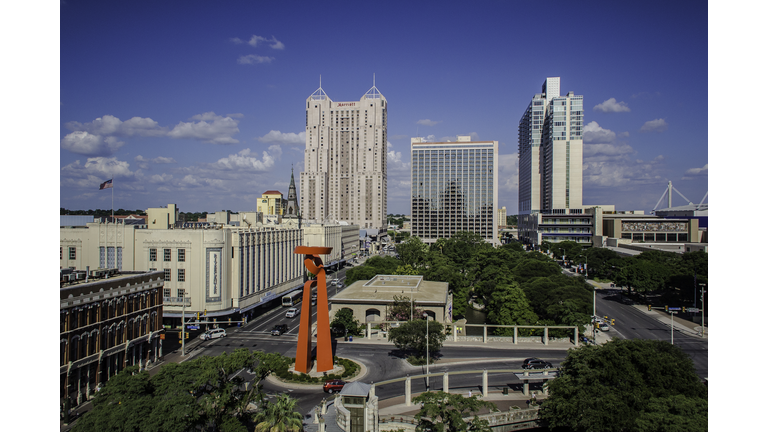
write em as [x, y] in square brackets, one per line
[703, 328]
[672, 315]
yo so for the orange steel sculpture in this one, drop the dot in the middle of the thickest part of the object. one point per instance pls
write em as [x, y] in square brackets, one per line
[314, 264]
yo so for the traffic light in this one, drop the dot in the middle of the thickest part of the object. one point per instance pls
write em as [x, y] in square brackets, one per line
[683, 309]
[205, 312]
[613, 321]
[649, 307]
[198, 316]
[666, 308]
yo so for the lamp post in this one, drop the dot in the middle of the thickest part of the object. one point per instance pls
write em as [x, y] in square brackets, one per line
[426, 317]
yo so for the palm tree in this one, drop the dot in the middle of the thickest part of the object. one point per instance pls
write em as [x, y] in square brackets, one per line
[279, 416]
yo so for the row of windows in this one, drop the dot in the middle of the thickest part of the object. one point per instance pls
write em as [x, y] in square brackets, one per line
[76, 317]
[88, 344]
[181, 255]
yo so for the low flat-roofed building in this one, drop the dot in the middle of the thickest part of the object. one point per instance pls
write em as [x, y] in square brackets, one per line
[370, 300]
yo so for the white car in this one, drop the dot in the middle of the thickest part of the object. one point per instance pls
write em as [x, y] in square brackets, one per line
[292, 312]
[214, 334]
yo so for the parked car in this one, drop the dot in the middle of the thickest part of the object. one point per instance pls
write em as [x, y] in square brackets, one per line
[535, 363]
[279, 329]
[292, 312]
[214, 334]
[333, 386]
[605, 327]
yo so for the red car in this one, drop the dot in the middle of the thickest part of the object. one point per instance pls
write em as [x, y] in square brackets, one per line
[333, 386]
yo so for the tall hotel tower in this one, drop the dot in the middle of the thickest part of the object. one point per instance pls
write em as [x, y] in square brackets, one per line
[454, 187]
[345, 160]
[550, 151]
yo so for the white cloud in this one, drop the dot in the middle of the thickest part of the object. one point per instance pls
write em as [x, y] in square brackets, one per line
[95, 171]
[593, 133]
[111, 125]
[612, 106]
[143, 162]
[696, 172]
[84, 143]
[428, 122]
[244, 160]
[210, 128]
[658, 125]
[275, 136]
[509, 170]
[395, 162]
[274, 43]
[254, 59]
[607, 151]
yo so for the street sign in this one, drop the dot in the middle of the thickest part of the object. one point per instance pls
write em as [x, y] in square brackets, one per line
[694, 310]
[674, 308]
[193, 327]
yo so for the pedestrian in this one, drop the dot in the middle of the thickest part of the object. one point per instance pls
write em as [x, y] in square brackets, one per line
[533, 398]
[470, 393]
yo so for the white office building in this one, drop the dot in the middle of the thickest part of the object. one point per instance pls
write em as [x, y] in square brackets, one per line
[550, 148]
[345, 160]
[226, 270]
[454, 187]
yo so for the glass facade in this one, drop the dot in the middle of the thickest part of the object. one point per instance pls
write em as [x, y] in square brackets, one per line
[453, 189]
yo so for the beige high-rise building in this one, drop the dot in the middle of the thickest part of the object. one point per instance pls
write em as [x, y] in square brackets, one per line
[345, 160]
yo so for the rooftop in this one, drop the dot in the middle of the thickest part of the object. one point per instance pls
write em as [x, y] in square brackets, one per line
[383, 288]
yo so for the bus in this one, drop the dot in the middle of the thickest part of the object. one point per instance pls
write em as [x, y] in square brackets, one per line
[292, 299]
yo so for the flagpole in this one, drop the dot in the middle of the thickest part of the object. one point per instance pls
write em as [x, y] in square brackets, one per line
[113, 220]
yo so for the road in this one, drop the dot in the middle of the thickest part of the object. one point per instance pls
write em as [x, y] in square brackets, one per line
[383, 362]
[633, 322]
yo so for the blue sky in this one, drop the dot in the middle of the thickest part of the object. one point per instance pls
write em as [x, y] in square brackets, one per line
[201, 103]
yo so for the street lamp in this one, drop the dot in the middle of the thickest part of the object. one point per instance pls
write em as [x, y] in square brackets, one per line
[426, 317]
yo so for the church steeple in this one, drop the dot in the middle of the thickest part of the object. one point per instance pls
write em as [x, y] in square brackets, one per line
[292, 207]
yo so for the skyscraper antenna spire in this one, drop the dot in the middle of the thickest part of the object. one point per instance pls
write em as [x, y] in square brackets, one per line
[374, 79]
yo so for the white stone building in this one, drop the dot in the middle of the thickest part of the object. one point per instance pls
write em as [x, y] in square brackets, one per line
[345, 160]
[226, 270]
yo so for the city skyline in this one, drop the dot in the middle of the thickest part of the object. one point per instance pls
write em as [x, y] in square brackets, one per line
[206, 111]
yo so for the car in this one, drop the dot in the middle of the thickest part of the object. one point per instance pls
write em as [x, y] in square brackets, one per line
[279, 329]
[333, 386]
[605, 327]
[536, 363]
[334, 282]
[214, 334]
[314, 296]
[292, 312]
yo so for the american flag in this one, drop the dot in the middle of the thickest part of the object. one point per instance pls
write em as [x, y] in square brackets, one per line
[106, 185]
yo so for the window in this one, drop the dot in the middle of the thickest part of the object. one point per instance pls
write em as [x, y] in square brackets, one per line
[72, 253]
[167, 275]
[166, 255]
[180, 293]
[153, 254]
[166, 292]
[182, 255]
[180, 275]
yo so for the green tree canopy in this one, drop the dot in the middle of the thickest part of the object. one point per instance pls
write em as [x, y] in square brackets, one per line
[624, 385]
[412, 336]
[446, 412]
[508, 305]
[201, 393]
[345, 321]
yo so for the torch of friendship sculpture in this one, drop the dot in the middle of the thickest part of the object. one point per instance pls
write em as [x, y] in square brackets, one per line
[314, 264]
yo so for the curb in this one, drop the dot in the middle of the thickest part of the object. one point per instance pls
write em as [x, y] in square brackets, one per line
[296, 386]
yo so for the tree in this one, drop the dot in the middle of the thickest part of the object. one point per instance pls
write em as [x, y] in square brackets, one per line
[345, 321]
[279, 416]
[446, 412]
[624, 385]
[400, 310]
[202, 393]
[412, 336]
[412, 252]
[509, 306]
